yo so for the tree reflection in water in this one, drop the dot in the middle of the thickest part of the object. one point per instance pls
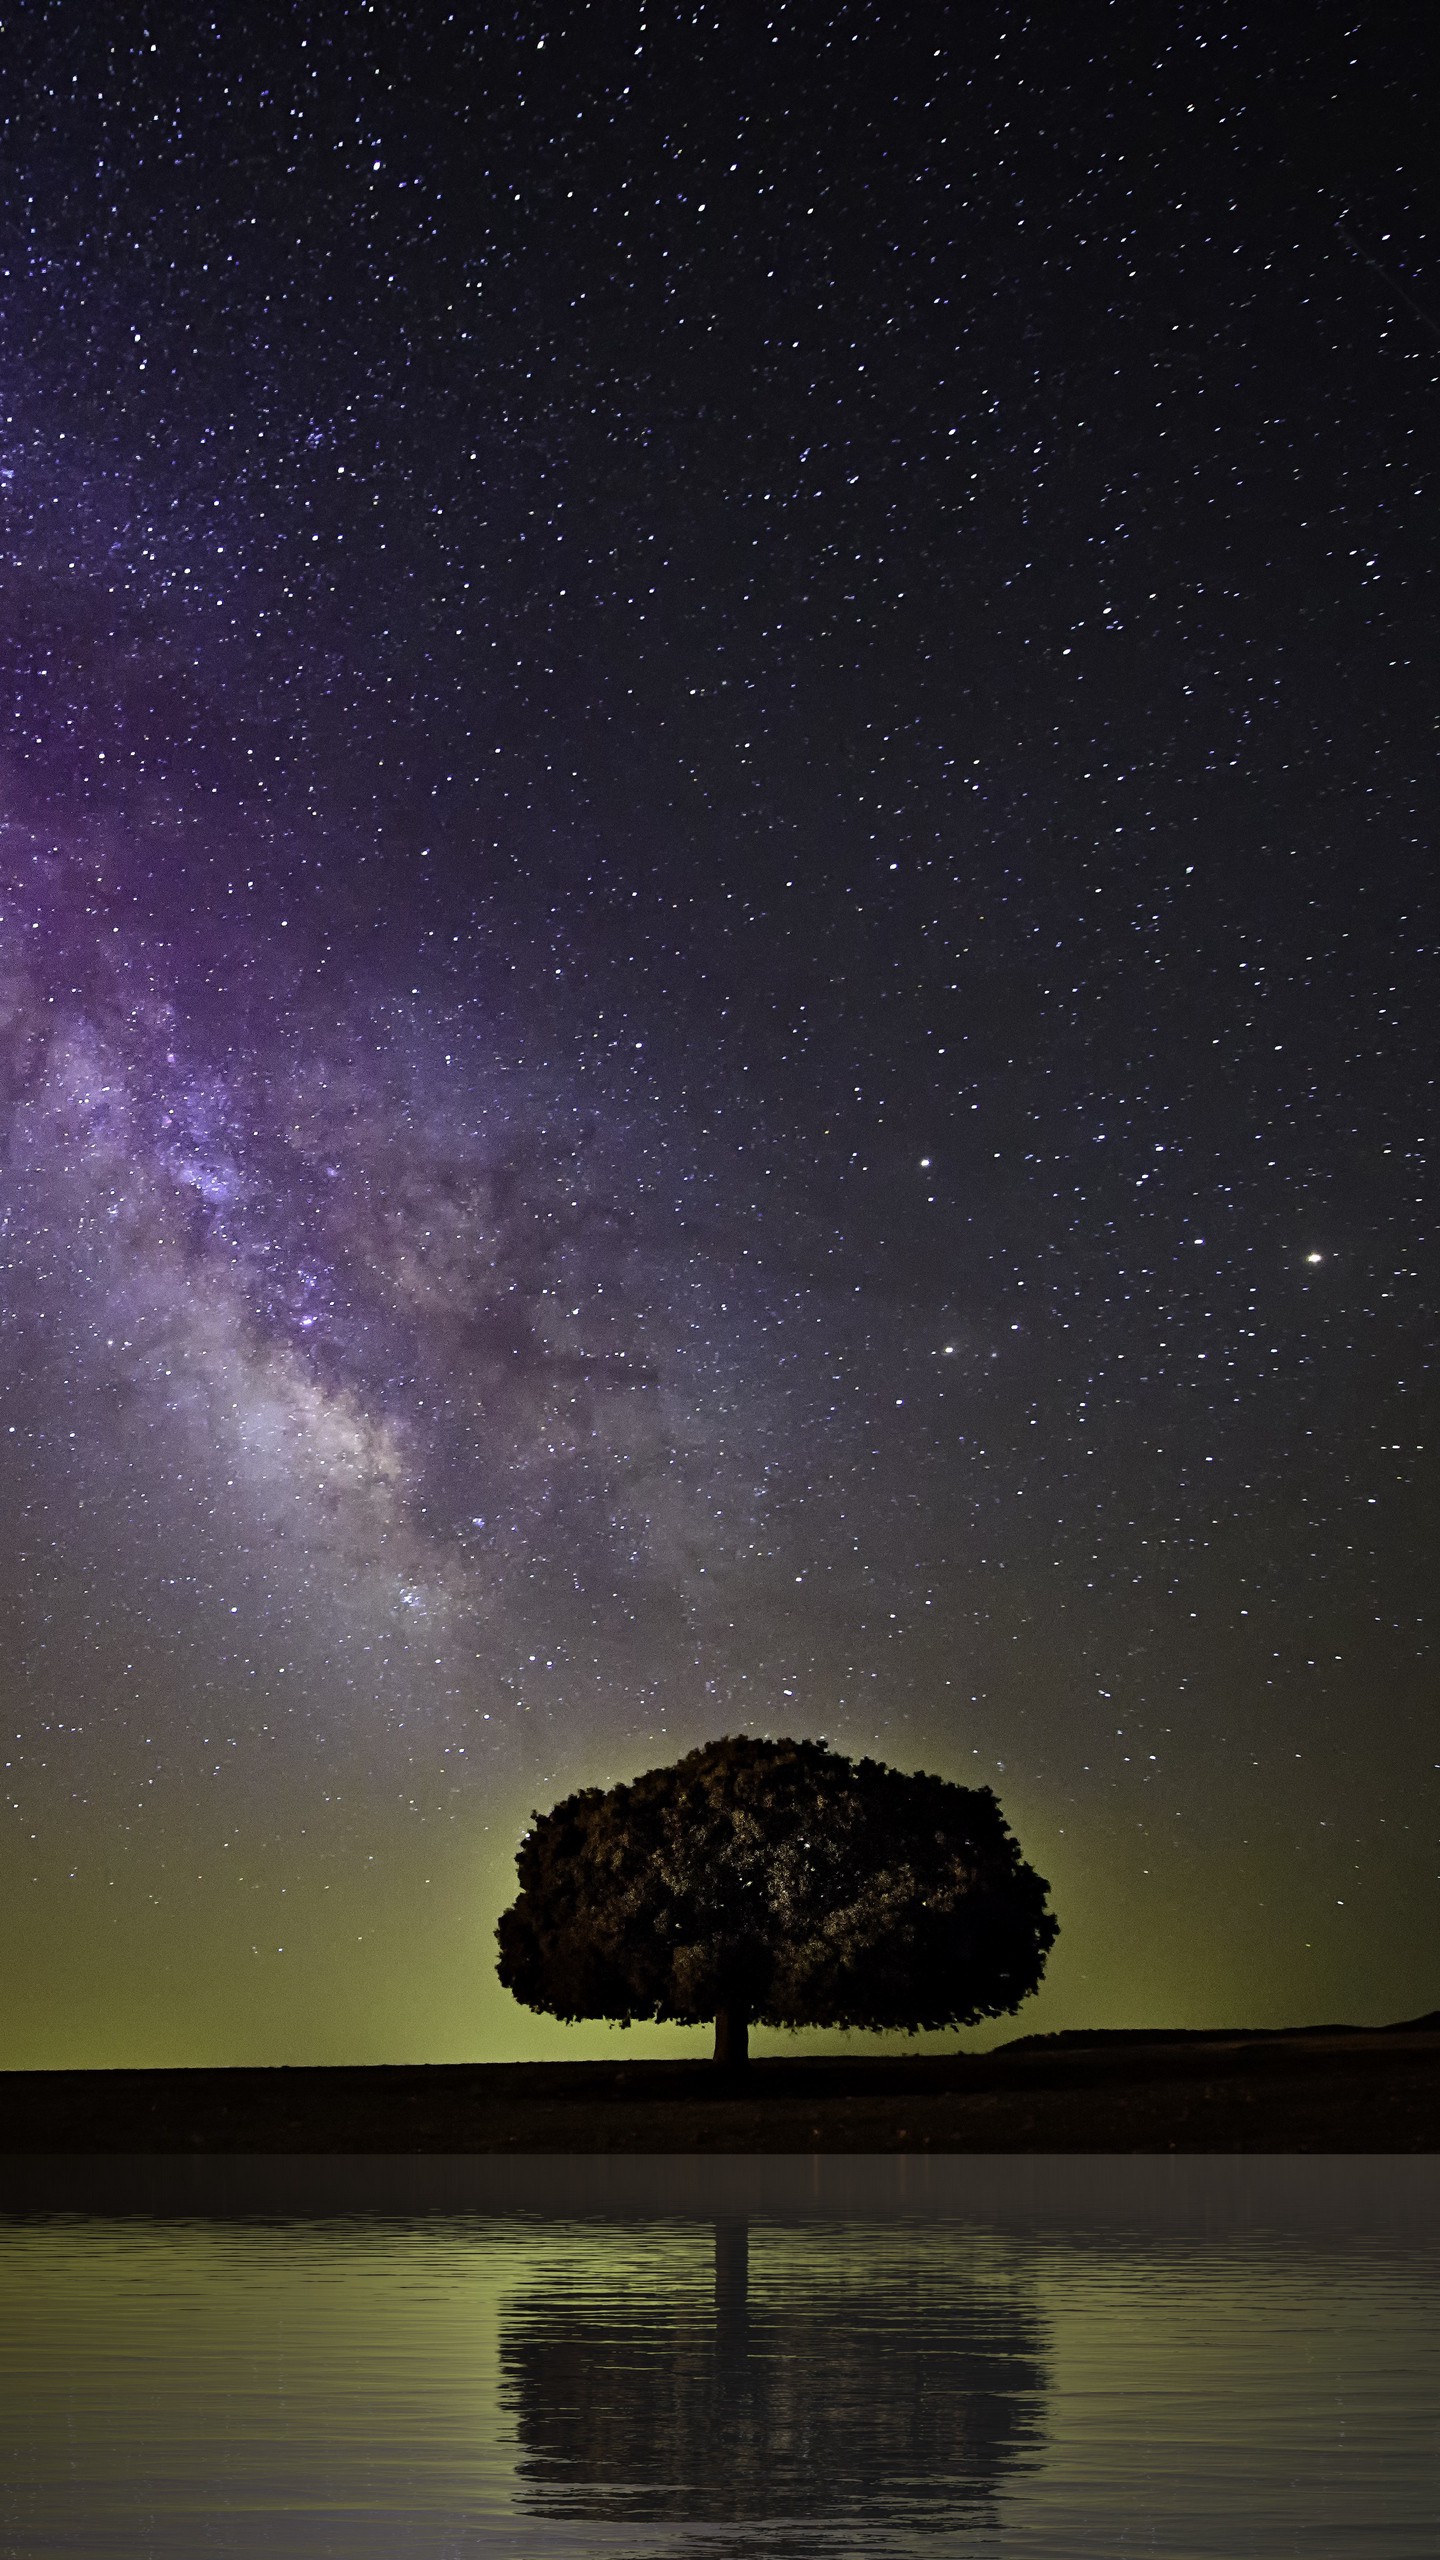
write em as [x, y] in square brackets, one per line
[894, 2376]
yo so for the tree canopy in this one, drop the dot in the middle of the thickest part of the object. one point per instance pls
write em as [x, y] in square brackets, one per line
[776, 1883]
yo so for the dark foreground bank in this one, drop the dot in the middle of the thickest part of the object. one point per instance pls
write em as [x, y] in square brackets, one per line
[1333, 2089]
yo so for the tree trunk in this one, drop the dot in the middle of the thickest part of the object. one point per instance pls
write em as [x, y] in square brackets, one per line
[732, 2037]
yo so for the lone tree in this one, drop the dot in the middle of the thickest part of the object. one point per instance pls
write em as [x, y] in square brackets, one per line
[779, 1884]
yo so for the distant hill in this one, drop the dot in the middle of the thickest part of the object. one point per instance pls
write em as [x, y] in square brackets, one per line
[1062, 2037]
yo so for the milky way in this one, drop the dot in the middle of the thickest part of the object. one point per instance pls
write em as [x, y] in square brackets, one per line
[392, 1307]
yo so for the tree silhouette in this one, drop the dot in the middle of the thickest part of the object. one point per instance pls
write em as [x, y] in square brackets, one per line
[776, 1882]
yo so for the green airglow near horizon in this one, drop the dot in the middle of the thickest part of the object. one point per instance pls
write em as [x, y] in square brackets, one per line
[374, 1956]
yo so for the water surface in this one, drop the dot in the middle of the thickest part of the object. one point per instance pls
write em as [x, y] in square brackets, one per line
[1054, 2358]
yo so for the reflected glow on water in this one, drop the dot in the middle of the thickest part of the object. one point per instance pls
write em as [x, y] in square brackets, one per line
[959, 2371]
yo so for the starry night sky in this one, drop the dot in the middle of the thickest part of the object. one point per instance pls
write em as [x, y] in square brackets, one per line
[717, 935]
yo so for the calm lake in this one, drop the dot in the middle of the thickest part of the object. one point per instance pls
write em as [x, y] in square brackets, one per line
[429, 2359]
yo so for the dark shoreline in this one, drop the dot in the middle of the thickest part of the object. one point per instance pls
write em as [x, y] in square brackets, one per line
[1324, 2089]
